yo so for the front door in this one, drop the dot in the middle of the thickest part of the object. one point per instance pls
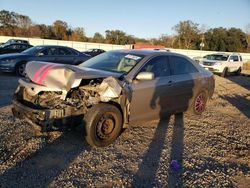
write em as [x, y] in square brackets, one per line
[150, 98]
[65, 56]
[48, 55]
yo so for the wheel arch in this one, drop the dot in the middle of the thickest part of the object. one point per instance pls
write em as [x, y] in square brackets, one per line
[118, 106]
[19, 62]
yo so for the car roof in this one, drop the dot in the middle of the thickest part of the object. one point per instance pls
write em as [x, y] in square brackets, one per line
[146, 52]
[14, 43]
[11, 44]
[219, 54]
[52, 46]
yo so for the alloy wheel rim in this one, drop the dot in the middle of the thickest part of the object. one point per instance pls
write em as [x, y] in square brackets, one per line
[200, 103]
[21, 70]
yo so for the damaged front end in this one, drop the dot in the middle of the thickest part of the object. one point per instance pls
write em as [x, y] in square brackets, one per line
[55, 95]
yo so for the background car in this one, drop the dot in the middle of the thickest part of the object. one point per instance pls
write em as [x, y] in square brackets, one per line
[94, 51]
[13, 48]
[20, 41]
[198, 59]
[55, 54]
[223, 63]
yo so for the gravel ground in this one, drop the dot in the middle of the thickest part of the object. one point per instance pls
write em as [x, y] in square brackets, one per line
[212, 150]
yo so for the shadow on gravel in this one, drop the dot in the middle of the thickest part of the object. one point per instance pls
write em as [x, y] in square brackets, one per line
[240, 102]
[168, 99]
[41, 168]
[8, 85]
[240, 80]
[146, 174]
[210, 164]
[147, 170]
[175, 170]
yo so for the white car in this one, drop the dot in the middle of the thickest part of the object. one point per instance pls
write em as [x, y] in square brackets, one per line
[223, 63]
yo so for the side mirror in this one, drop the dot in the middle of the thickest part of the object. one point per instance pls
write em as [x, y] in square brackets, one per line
[231, 60]
[145, 76]
[40, 54]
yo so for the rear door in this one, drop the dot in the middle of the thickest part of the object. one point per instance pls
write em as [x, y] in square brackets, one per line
[65, 56]
[185, 78]
[151, 99]
[12, 48]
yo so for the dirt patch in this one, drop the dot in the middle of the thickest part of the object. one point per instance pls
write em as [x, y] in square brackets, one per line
[211, 150]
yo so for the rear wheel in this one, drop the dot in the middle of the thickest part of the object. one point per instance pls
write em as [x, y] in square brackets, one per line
[199, 103]
[103, 124]
[20, 69]
[225, 72]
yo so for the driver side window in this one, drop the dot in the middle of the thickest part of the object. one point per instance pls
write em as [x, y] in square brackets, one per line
[49, 51]
[158, 65]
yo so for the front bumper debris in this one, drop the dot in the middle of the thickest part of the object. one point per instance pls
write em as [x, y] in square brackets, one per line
[44, 117]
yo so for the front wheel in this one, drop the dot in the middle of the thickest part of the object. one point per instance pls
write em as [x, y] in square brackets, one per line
[225, 72]
[238, 72]
[103, 124]
[20, 69]
[199, 103]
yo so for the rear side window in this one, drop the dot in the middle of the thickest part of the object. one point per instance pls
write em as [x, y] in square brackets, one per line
[64, 51]
[158, 65]
[50, 51]
[234, 58]
[73, 52]
[23, 47]
[180, 65]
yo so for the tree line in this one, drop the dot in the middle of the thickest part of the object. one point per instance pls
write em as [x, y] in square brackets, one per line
[188, 35]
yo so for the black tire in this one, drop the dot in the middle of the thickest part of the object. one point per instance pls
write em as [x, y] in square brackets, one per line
[238, 72]
[225, 72]
[103, 124]
[20, 69]
[196, 107]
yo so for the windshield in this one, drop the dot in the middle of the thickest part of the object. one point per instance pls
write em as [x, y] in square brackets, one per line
[89, 50]
[32, 50]
[113, 61]
[219, 57]
[10, 41]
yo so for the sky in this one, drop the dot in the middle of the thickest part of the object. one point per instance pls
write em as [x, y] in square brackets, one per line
[141, 18]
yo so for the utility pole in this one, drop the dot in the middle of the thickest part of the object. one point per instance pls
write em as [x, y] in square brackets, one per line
[202, 42]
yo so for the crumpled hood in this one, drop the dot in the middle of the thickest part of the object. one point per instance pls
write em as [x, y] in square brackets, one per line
[63, 77]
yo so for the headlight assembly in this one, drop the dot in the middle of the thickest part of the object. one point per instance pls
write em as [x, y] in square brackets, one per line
[8, 60]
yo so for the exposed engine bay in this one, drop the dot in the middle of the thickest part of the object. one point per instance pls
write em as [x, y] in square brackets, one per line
[45, 101]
